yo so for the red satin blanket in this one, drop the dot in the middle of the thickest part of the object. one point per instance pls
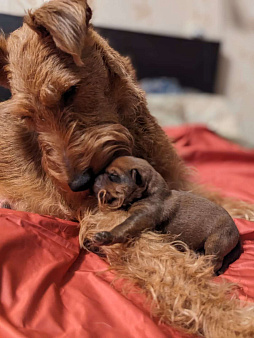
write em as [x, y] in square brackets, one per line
[49, 289]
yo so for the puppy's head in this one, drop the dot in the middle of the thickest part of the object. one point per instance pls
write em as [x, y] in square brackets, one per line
[125, 180]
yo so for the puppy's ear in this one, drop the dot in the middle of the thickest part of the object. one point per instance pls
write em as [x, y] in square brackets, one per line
[66, 21]
[3, 62]
[137, 178]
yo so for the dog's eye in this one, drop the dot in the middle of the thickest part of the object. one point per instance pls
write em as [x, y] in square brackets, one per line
[68, 96]
[114, 178]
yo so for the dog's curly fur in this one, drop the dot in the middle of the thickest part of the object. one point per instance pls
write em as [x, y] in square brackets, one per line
[76, 105]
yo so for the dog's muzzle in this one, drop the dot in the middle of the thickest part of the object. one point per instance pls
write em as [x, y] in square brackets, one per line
[83, 181]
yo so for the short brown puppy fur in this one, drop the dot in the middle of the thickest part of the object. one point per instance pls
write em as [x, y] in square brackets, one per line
[198, 222]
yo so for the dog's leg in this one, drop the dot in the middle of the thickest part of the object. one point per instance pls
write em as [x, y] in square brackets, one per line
[220, 245]
[131, 227]
[230, 258]
[212, 247]
[143, 215]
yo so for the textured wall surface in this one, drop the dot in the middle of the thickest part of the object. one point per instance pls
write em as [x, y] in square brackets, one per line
[18, 7]
[175, 17]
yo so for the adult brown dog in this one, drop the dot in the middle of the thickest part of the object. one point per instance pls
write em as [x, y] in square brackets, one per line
[133, 184]
[75, 106]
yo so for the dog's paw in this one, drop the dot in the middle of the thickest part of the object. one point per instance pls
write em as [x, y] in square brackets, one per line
[89, 246]
[103, 238]
[5, 204]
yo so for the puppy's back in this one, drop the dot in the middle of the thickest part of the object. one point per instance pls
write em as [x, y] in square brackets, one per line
[194, 218]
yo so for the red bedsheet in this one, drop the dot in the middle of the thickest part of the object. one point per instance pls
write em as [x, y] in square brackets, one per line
[49, 289]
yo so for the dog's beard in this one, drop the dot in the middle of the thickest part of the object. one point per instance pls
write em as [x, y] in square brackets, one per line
[79, 149]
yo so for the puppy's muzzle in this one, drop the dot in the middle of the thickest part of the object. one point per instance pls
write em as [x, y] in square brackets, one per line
[99, 183]
[83, 181]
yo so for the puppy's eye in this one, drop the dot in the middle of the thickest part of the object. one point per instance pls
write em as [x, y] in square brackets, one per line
[114, 178]
[69, 95]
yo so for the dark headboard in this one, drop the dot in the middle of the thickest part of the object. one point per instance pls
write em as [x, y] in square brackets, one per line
[193, 62]
[8, 24]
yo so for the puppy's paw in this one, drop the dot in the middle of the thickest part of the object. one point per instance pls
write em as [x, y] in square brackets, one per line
[103, 238]
[89, 246]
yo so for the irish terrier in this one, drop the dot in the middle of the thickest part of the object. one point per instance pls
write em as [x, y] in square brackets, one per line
[75, 106]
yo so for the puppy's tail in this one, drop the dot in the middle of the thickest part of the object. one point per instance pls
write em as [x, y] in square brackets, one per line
[179, 285]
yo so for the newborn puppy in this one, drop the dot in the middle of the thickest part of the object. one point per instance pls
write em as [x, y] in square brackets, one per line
[132, 183]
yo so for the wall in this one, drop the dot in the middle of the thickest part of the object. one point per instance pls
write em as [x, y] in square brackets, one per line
[174, 17]
[17, 7]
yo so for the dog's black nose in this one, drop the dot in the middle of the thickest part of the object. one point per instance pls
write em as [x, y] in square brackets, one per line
[82, 182]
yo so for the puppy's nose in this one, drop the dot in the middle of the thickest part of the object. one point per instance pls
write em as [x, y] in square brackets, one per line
[82, 182]
[98, 184]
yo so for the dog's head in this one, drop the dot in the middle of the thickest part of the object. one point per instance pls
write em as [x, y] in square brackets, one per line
[61, 75]
[125, 180]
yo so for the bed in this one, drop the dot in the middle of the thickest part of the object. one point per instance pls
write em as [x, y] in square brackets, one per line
[49, 288]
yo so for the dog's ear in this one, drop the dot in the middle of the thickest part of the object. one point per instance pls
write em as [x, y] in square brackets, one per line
[3, 61]
[137, 178]
[115, 63]
[66, 21]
